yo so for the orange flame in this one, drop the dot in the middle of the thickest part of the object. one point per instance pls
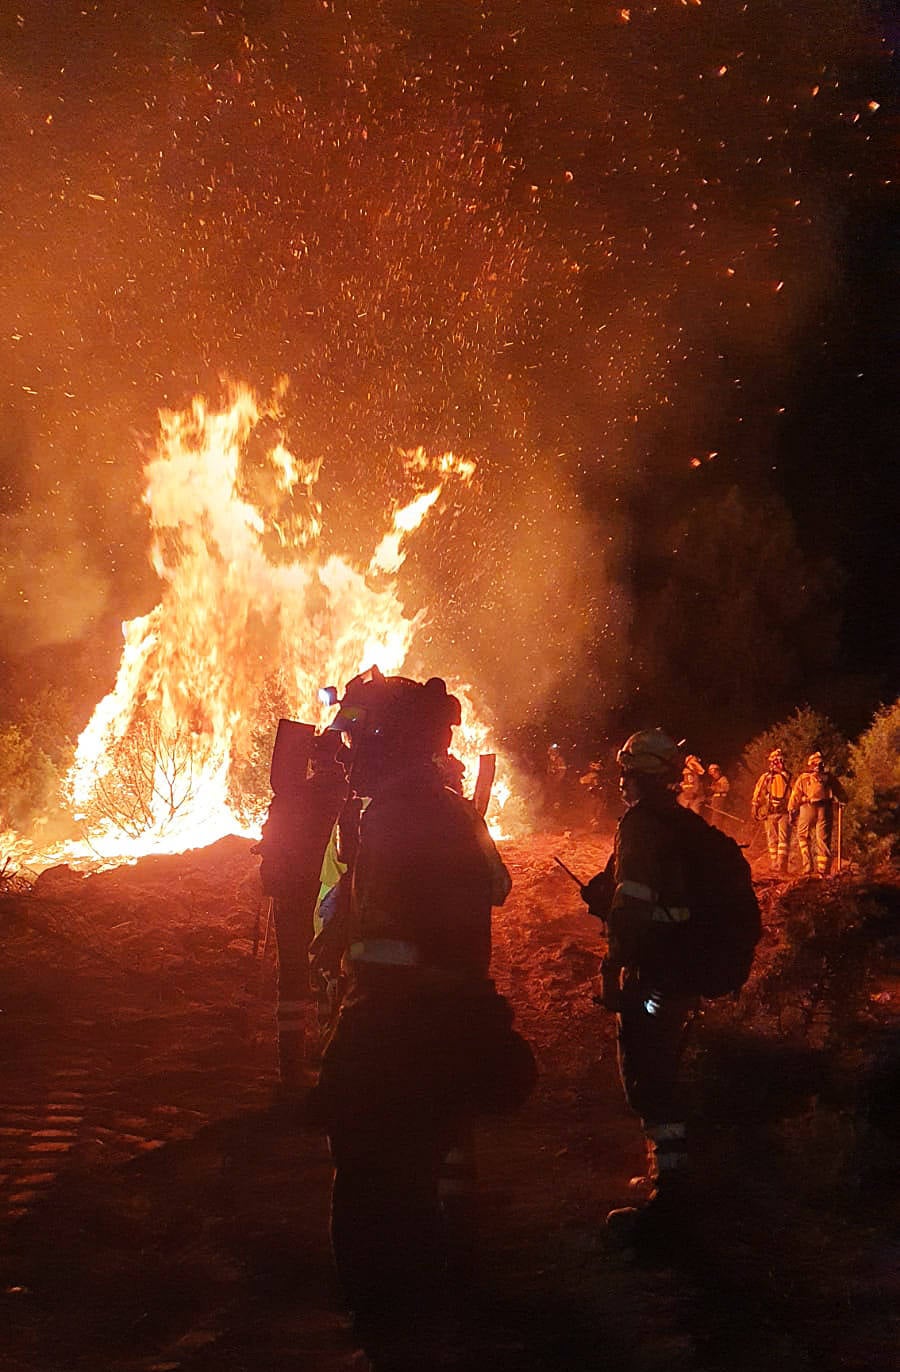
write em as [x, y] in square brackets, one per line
[251, 622]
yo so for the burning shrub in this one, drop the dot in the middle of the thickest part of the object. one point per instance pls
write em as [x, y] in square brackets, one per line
[248, 778]
[873, 815]
[149, 781]
[35, 753]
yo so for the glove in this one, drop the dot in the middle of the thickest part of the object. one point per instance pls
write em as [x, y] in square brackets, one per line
[609, 992]
[598, 893]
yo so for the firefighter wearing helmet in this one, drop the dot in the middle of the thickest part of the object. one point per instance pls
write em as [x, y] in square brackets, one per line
[423, 1042]
[770, 804]
[813, 797]
[692, 793]
[641, 895]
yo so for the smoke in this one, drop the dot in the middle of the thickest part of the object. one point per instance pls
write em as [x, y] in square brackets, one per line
[576, 248]
[48, 594]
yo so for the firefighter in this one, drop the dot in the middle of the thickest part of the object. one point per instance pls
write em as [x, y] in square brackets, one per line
[423, 1042]
[770, 804]
[556, 771]
[812, 797]
[310, 785]
[718, 789]
[641, 895]
[592, 781]
[692, 794]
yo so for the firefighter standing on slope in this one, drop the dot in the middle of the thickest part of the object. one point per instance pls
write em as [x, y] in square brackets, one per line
[812, 798]
[423, 1042]
[770, 804]
[642, 896]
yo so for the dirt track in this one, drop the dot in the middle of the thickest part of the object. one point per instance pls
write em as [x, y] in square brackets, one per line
[160, 1216]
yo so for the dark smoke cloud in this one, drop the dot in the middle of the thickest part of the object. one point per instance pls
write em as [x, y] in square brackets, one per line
[574, 242]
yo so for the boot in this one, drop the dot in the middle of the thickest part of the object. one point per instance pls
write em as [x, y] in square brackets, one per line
[661, 1226]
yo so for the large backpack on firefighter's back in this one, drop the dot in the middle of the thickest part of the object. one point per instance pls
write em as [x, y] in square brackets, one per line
[721, 935]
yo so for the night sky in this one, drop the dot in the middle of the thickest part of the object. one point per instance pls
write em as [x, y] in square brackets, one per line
[639, 263]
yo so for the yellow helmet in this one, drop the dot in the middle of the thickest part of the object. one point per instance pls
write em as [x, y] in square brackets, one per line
[652, 753]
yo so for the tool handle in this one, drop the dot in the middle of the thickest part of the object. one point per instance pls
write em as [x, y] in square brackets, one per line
[568, 871]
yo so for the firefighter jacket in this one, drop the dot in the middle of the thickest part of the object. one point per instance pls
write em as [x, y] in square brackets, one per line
[770, 795]
[693, 789]
[422, 1035]
[426, 876]
[815, 788]
[649, 897]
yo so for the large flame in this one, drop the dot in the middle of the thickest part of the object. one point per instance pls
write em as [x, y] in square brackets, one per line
[253, 619]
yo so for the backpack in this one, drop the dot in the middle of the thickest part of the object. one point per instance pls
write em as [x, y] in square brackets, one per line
[718, 942]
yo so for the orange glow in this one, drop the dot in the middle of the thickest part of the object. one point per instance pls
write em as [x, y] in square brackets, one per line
[252, 620]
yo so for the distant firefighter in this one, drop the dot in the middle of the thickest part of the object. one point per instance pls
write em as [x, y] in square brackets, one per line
[719, 786]
[812, 800]
[556, 763]
[592, 782]
[693, 790]
[770, 804]
[556, 770]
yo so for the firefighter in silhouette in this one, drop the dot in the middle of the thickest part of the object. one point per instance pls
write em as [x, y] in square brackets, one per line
[309, 781]
[423, 1042]
[770, 804]
[813, 796]
[692, 793]
[556, 771]
[592, 781]
[641, 895]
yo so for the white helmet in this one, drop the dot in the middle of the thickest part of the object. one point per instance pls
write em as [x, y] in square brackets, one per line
[652, 753]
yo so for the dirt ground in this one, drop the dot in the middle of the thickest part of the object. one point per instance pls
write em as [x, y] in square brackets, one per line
[157, 1214]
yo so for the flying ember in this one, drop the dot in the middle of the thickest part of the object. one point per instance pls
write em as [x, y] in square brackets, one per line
[253, 619]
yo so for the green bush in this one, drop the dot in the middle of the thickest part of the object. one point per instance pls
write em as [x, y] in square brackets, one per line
[873, 815]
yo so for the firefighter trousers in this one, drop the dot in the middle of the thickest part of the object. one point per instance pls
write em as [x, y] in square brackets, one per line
[812, 838]
[387, 1231]
[778, 839]
[652, 1032]
[292, 938]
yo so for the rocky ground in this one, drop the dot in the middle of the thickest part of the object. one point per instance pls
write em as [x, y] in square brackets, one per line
[157, 1214]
